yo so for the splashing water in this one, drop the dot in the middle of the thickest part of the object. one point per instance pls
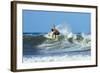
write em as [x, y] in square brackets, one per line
[64, 29]
[45, 49]
[67, 40]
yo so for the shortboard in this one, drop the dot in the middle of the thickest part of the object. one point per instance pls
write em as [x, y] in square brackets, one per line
[50, 36]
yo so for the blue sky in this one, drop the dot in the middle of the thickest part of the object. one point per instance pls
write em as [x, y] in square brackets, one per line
[42, 21]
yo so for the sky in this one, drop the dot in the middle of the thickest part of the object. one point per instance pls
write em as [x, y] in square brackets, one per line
[42, 21]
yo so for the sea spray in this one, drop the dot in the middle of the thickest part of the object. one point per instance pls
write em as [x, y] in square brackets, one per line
[64, 29]
[38, 48]
[67, 40]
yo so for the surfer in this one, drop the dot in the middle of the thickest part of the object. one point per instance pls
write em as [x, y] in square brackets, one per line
[55, 32]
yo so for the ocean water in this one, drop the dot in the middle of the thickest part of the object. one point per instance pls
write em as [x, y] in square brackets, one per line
[37, 48]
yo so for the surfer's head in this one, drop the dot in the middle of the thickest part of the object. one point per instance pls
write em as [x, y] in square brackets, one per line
[52, 29]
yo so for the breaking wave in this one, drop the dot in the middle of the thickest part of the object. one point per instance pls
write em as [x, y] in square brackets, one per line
[37, 46]
[67, 40]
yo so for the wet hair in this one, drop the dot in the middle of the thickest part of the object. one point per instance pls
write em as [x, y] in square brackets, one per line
[52, 29]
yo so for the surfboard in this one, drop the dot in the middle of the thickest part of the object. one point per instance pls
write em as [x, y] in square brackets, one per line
[50, 36]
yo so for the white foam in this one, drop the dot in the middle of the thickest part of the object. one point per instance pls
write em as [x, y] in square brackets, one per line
[64, 29]
[56, 58]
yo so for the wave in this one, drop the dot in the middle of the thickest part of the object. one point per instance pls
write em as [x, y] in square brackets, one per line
[67, 40]
[37, 47]
[62, 58]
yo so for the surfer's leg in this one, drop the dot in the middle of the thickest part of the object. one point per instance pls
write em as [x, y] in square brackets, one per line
[52, 35]
[55, 36]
